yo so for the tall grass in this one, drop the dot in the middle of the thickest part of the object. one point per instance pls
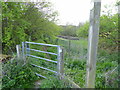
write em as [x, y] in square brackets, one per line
[75, 64]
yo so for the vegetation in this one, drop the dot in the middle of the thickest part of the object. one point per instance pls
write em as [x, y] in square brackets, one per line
[108, 35]
[107, 59]
[69, 30]
[83, 30]
[25, 22]
[36, 22]
[75, 64]
[17, 76]
[54, 82]
[75, 68]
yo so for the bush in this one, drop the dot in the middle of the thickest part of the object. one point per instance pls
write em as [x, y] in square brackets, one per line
[17, 76]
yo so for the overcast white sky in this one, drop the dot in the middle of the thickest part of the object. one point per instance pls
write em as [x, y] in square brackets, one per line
[75, 11]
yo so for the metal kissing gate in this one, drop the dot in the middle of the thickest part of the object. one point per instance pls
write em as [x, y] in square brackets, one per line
[26, 52]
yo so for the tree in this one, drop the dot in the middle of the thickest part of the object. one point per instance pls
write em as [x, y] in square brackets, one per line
[109, 32]
[69, 30]
[108, 35]
[83, 30]
[41, 22]
[25, 21]
[13, 25]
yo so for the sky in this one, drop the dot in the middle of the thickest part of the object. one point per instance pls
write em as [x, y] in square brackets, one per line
[75, 11]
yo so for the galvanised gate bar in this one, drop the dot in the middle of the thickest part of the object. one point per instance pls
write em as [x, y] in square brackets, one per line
[26, 52]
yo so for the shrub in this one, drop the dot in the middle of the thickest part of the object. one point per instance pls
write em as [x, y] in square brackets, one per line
[17, 76]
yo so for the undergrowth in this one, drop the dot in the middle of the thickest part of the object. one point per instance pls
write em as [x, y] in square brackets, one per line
[75, 65]
[54, 82]
[74, 68]
[17, 76]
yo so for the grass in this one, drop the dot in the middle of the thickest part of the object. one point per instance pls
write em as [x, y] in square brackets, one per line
[75, 63]
[75, 60]
[77, 48]
[54, 82]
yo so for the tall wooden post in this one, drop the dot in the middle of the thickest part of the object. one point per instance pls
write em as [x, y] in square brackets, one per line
[60, 63]
[18, 51]
[93, 43]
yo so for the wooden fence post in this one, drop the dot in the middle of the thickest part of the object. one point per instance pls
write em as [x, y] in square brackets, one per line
[93, 43]
[18, 51]
[60, 63]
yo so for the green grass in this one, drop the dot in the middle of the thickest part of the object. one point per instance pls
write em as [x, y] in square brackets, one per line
[54, 82]
[75, 63]
[77, 49]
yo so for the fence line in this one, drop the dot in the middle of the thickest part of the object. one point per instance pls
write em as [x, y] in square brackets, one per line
[60, 63]
[42, 44]
[26, 52]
